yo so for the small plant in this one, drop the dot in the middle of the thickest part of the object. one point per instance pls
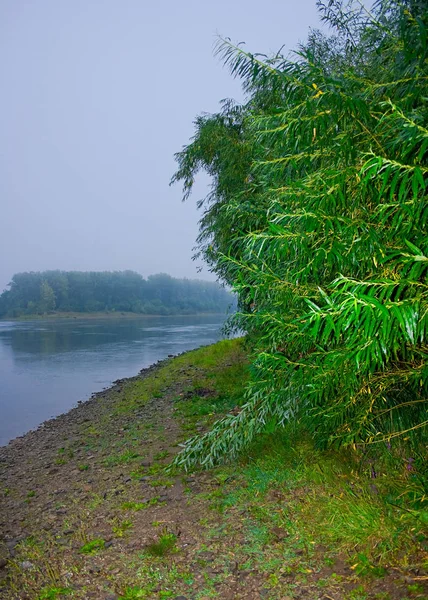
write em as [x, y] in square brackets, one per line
[364, 566]
[93, 546]
[415, 588]
[66, 452]
[31, 494]
[165, 544]
[83, 467]
[161, 482]
[119, 459]
[120, 529]
[155, 468]
[52, 593]
[138, 505]
[161, 455]
[358, 593]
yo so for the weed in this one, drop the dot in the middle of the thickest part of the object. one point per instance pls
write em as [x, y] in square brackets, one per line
[52, 592]
[161, 482]
[161, 455]
[155, 468]
[95, 501]
[415, 588]
[121, 528]
[83, 467]
[93, 546]
[164, 545]
[134, 593]
[357, 593]
[120, 459]
[139, 505]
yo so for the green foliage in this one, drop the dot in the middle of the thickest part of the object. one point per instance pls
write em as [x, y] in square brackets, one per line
[134, 593]
[53, 592]
[164, 545]
[93, 546]
[329, 250]
[291, 493]
[41, 293]
[136, 506]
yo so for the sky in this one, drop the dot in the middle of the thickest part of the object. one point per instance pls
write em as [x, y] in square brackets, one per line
[97, 96]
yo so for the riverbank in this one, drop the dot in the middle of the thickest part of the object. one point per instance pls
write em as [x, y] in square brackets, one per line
[88, 511]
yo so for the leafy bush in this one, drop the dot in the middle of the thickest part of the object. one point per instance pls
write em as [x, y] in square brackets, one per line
[318, 218]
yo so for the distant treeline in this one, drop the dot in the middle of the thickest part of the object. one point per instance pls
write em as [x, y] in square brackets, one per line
[86, 292]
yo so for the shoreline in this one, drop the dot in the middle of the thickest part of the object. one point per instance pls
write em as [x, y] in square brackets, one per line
[88, 510]
[83, 406]
[102, 315]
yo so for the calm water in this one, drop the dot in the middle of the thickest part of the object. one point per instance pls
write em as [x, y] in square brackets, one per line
[47, 366]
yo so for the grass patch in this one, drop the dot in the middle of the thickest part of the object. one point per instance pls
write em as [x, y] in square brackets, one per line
[53, 592]
[122, 527]
[222, 365]
[122, 458]
[297, 498]
[136, 506]
[164, 545]
[93, 546]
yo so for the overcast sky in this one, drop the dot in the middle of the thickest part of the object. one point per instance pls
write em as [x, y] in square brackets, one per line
[97, 95]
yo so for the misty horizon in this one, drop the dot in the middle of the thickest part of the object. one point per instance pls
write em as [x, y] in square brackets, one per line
[97, 98]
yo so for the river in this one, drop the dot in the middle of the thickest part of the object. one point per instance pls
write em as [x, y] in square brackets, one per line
[47, 366]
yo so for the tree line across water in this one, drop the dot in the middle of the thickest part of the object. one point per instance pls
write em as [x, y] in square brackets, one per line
[74, 291]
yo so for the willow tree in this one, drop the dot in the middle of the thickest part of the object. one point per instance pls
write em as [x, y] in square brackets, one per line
[336, 266]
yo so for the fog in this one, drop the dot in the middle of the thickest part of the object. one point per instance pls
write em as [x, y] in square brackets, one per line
[97, 95]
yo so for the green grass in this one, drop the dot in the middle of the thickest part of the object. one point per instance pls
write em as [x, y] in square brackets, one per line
[208, 370]
[164, 545]
[53, 592]
[134, 593]
[122, 527]
[136, 506]
[120, 459]
[318, 499]
[93, 546]
[161, 455]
